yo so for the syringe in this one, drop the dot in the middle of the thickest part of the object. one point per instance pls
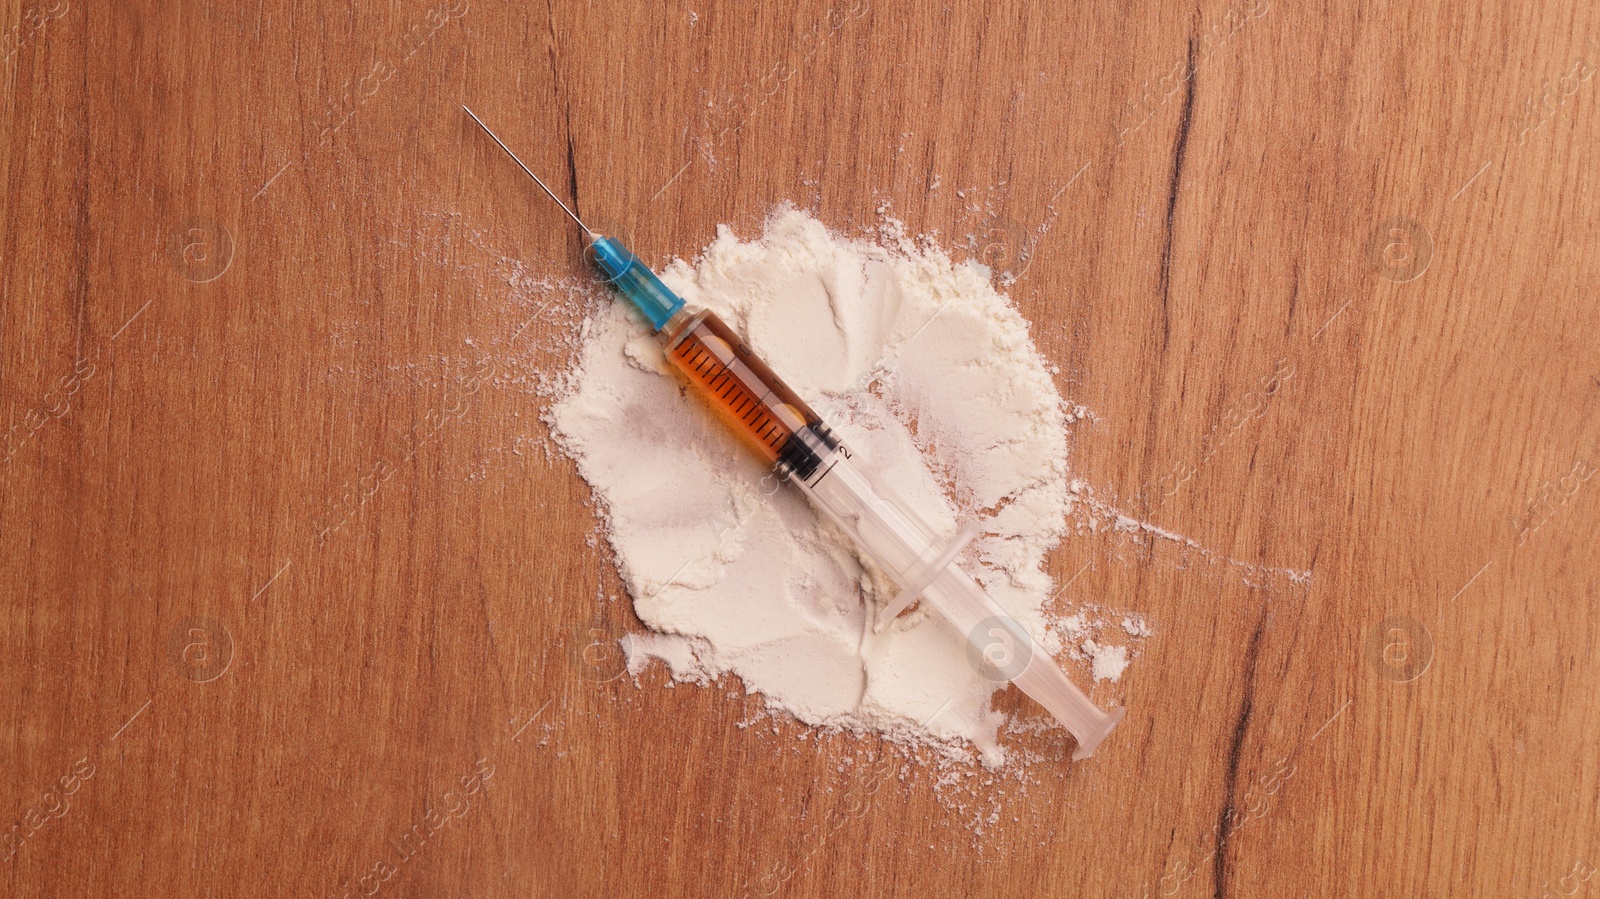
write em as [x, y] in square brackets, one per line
[804, 451]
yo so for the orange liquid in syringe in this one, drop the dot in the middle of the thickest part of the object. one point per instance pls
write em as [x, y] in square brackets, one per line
[753, 399]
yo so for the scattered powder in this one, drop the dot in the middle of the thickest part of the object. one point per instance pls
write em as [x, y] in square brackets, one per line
[1135, 626]
[681, 655]
[1109, 661]
[1093, 516]
[932, 378]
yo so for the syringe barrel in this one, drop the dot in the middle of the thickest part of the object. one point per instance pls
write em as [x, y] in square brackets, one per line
[750, 397]
[790, 436]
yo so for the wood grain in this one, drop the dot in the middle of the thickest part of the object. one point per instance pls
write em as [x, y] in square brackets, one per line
[294, 600]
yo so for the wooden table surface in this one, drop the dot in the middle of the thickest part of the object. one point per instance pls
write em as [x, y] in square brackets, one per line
[296, 601]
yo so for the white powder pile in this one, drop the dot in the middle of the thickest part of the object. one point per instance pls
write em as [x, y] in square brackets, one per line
[930, 375]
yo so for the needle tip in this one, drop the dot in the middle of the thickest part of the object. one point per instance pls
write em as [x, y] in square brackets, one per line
[524, 167]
